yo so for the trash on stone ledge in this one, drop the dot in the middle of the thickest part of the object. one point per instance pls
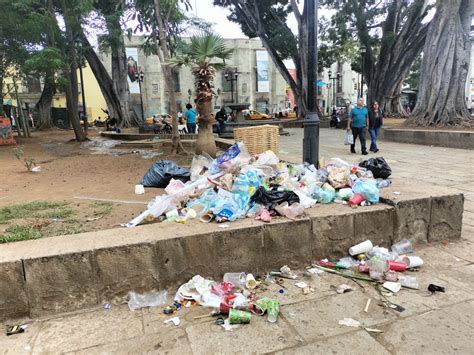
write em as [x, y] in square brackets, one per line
[435, 288]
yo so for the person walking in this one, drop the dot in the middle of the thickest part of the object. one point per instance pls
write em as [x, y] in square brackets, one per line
[375, 122]
[191, 115]
[358, 122]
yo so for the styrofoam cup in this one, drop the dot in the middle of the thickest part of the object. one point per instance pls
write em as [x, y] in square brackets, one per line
[139, 189]
[250, 282]
[412, 261]
[361, 248]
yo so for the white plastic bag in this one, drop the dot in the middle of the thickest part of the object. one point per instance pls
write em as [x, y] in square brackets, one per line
[348, 138]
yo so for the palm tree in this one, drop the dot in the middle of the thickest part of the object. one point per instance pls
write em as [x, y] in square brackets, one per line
[200, 55]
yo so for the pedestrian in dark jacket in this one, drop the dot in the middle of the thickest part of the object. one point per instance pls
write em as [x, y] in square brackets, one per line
[375, 122]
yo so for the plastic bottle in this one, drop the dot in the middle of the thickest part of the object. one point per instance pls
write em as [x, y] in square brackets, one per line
[384, 183]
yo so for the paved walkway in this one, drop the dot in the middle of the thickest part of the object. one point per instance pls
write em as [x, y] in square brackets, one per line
[441, 323]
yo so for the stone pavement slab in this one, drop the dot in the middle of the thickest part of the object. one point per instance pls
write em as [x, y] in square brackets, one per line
[356, 343]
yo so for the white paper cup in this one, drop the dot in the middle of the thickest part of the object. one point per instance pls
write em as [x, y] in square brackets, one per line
[250, 282]
[206, 218]
[172, 215]
[139, 189]
[392, 286]
[361, 248]
[412, 261]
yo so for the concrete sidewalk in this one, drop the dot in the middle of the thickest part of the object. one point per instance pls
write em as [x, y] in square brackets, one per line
[440, 323]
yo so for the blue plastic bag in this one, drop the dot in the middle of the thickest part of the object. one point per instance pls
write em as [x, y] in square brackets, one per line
[244, 187]
[324, 196]
[368, 189]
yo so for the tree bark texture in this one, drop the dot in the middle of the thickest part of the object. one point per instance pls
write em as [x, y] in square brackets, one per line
[45, 102]
[445, 66]
[164, 55]
[70, 73]
[403, 36]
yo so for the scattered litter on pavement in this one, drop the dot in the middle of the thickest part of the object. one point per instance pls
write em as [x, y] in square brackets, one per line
[349, 322]
[175, 320]
[435, 288]
[367, 305]
[301, 284]
[107, 306]
[16, 329]
[152, 299]
[373, 330]
[343, 289]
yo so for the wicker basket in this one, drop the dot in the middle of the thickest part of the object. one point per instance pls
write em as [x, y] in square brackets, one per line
[258, 139]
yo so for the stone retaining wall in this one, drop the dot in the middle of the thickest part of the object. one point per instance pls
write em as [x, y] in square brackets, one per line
[63, 274]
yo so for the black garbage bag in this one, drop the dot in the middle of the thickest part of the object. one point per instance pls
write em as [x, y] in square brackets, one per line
[378, 167]
[161, 173]
[273, 197]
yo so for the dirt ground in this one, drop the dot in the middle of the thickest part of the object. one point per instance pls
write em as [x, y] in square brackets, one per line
[399, 124]
[97, 181]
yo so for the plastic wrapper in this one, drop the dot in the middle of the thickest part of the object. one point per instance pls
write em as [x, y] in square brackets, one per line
[378, 166]
[305, 201]
[273, 197]
[244, 187]
[152, 299]
[161, 173]
[200, 166]
[174, 186]
[345, 194]
[368, 189]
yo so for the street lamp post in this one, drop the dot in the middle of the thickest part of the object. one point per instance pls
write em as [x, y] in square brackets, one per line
[311, 121]
[83, 94]
[335, 82]
[139, 76]
[190, 93]
[362, 51]
[232, 76]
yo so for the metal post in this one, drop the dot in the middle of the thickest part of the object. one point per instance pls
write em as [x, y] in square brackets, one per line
[362, 76]
[84, 112]
[141, 99]
[311, 122]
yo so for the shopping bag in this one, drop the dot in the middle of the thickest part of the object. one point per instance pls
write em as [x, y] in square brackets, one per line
[348, 138]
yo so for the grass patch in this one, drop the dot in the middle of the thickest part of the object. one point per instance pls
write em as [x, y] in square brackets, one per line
[17, 232]
[29, 210]
[62, 213]
[70, 229]
[102, 208]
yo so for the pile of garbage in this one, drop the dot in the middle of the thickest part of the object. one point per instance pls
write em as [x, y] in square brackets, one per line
[237, 185]
[381, 264]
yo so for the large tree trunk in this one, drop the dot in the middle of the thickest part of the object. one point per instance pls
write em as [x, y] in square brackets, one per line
[70, 71]
[403, 36]
[164, 54]
[45, 102]
[441, 99]
[119, 78]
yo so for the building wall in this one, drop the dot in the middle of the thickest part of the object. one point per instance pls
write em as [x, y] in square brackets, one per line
[470, 78]
[155, 98]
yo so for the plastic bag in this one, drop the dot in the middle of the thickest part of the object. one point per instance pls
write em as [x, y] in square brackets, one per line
[152, 299]
[345, 194]
[324, 196]
[273, 197]
[339, 177]
[290, 211]
[267, 158]
[161, 173]
[244, 187]
[368, 189]
[348, 138]
[174, 186]
[200, 166]
[378, 167]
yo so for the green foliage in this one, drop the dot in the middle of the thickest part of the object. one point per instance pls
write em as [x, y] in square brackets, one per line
[102, 208]
[203, 50]
[413, 78]
[17, 232]
[19, 153]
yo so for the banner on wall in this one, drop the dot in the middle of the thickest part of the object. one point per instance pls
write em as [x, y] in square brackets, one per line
[132, 69]
[263, 84]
